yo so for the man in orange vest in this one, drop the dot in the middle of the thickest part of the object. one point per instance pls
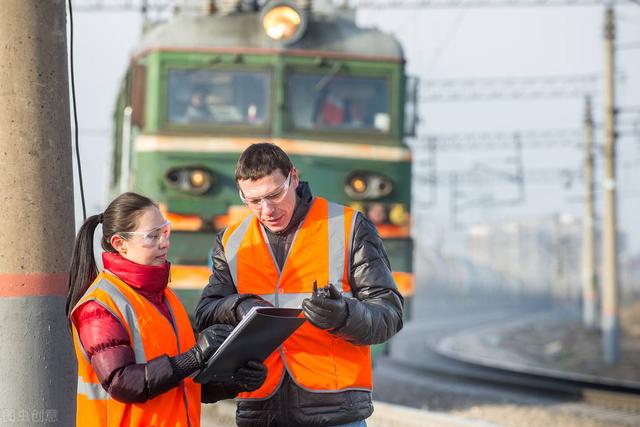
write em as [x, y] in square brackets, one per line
[290, 242]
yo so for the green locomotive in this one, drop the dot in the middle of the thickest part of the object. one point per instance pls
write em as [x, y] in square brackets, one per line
[201, 88]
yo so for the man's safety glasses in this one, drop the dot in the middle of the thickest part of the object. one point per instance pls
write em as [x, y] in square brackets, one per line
[275, 196]
[150, 238]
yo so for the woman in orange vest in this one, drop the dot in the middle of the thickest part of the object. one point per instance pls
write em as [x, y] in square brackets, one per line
[133, 340]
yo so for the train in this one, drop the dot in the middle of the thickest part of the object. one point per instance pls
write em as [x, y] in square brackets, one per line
[201, 87]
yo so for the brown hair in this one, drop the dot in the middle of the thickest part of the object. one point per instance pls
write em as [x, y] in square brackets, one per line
[121, 215]
[261, 159]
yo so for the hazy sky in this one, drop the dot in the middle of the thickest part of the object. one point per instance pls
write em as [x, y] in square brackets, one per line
[454, 43]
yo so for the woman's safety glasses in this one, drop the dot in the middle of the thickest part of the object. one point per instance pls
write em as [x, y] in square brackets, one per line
[275, 196]
[150, 238]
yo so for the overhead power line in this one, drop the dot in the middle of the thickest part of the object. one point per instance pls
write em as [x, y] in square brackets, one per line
[496, 88]
[123, 5]
[462, 141]
[453, 4]
[163, 5]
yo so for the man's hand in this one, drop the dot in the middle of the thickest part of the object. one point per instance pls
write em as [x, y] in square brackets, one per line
[247, 304]
[208, 342]
[326, 308]
[251, 376]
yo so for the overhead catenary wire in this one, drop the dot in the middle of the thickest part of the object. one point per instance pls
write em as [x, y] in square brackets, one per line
[500, 88]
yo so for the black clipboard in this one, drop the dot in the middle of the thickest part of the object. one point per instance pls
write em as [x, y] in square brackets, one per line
[259, 333]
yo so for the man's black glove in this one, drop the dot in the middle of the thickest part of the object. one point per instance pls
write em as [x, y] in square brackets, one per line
[326, 308]
[208, 342]
[251, 376]
[246, 304]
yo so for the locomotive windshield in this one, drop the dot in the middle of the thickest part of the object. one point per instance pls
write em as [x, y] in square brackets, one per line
[218, 97]
[336, 102]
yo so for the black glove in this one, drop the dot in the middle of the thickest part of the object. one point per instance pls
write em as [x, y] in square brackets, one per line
[246, 304]
[208, 342]
[251, 376]
[326, 308]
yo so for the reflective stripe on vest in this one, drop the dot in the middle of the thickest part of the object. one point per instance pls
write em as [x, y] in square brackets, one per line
[320, 251]
[291, 300]
[129, 314]
[92, 391]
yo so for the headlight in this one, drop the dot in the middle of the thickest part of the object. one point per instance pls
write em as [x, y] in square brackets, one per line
[194, 180]
[367, 186]
[283, 21]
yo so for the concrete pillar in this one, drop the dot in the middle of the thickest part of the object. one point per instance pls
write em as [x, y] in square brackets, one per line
[37, 364]
[610, 313]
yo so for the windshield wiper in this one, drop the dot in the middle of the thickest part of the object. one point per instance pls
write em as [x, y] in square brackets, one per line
[335, 69]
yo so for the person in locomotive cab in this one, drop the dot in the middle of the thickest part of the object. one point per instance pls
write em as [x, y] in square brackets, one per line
[321, 375]
[197, 110]
[133, 341]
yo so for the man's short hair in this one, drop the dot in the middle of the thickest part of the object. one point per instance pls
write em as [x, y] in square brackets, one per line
[260, 160]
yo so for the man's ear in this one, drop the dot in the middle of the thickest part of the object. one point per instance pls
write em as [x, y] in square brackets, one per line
[295, 179]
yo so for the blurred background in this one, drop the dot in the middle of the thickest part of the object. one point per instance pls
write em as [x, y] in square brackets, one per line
[483, 111]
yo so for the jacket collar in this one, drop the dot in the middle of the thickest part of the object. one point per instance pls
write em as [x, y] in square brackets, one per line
[304, 197]
[149, 279]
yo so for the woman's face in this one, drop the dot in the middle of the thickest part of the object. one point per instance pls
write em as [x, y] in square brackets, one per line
[149, 243]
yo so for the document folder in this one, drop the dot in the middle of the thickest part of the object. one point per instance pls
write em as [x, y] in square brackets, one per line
[258, 335]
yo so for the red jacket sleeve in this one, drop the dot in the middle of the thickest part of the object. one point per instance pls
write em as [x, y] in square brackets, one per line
[106, 342]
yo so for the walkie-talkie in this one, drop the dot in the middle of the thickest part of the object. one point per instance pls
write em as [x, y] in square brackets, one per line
[320, 292]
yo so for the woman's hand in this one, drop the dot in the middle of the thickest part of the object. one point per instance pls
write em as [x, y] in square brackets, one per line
[208, 342]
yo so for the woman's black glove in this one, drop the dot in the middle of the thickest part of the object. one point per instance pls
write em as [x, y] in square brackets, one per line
[251, 376]
[208, 342]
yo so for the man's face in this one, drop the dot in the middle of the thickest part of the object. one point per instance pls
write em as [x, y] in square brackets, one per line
[271, 198]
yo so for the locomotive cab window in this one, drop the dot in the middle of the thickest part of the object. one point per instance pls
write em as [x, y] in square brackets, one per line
[218, 97]
[344, 103]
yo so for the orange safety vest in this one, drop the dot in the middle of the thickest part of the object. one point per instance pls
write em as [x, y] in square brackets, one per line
[316, 360]
[151, 336]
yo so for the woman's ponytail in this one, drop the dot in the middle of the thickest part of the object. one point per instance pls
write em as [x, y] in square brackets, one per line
[83, 270]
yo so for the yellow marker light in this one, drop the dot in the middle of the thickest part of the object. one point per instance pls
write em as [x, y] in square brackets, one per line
[359, 185]
[398, 215]
[357, 206]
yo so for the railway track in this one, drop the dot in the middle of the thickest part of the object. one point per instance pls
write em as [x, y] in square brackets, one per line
[417, 374]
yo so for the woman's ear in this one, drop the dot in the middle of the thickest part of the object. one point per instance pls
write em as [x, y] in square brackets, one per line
[119, 244]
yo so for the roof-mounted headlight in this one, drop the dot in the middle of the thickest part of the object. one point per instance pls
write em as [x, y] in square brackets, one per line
[283, 21]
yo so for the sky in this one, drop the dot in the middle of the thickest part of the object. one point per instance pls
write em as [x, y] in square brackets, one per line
[438, 44]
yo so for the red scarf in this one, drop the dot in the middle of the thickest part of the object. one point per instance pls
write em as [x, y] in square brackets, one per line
[149, 281]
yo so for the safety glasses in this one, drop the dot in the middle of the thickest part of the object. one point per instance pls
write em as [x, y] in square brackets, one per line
[275, 196]
[149, 238]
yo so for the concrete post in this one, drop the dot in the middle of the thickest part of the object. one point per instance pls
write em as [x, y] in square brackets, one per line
[589, 282]
[610, 317]
[37, 364]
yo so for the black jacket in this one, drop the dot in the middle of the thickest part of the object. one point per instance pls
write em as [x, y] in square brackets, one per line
[375, 315]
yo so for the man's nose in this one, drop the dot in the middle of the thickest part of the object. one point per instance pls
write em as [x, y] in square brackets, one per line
[267, 207]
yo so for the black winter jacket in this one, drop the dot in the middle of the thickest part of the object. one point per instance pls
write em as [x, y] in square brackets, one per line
[374, 316]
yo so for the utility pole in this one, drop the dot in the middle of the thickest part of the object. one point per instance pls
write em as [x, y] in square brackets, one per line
[610, 318]
[37, 363]
[589, 282]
